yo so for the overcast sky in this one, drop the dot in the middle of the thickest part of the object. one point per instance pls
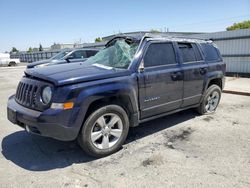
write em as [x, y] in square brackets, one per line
[26, 23]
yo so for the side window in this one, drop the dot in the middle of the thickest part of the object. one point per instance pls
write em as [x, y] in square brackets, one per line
[210, 52]
[91, 53]
[80, 54]
[160, 54]
[187, 52]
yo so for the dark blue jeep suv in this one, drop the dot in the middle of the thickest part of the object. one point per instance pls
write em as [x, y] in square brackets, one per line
[132, 80]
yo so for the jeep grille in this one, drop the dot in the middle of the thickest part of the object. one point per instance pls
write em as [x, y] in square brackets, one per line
[28, 93]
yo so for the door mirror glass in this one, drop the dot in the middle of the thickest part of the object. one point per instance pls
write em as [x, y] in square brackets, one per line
[70, 57]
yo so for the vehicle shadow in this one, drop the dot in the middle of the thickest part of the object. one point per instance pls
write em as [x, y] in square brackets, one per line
[37, 153]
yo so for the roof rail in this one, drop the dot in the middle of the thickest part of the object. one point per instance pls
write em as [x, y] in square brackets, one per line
[157, 35]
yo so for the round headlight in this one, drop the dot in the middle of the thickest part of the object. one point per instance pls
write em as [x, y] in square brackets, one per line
[46, 95]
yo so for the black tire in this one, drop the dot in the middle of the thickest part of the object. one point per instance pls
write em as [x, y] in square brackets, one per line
[84, 137]
[202, 108]
[12, 64]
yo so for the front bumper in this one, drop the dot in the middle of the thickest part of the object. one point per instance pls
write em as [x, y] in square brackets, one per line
[50, 123]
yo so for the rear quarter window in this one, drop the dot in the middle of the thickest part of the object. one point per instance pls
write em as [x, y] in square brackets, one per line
[210, 52]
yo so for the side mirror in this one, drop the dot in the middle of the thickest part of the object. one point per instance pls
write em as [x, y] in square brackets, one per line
[141, 67]
[68, 58]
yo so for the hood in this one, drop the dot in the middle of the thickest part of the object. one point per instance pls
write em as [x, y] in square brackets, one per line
[74, 73]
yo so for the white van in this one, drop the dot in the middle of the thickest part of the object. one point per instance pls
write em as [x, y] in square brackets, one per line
[6, 60]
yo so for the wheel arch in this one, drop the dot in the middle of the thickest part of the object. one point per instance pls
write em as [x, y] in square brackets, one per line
[215, 81]
[124, 97]
[216, 78]
[123, 101]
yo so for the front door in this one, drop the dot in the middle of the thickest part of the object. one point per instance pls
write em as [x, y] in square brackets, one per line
[160, 84]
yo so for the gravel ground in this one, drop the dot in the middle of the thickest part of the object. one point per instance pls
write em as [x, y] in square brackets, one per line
[180, 150]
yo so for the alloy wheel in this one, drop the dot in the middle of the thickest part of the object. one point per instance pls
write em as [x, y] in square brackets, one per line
[212, 101]
[106, 131]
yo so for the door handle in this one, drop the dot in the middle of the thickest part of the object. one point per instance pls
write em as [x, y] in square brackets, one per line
[203, 70]
[176, 76]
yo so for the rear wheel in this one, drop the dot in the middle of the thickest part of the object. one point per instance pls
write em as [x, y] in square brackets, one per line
[104, 131]
[211, 100]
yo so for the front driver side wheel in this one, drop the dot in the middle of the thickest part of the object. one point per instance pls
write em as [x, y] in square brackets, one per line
[104, 131]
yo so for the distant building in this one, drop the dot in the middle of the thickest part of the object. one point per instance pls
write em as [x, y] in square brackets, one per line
[46, 48]
[93, 45]
[61, 46]
[35, 49]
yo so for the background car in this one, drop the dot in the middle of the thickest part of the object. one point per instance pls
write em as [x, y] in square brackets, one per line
[6, 60]
[66, 56]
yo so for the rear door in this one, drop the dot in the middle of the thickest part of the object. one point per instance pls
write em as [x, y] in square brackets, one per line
[195, 70]
[160, 84]
[214, 59]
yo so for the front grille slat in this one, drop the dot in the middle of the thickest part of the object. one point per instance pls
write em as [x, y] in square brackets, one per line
[18, 90]
[21, 92]
[27, 94]
[34, 94]
[31, 94]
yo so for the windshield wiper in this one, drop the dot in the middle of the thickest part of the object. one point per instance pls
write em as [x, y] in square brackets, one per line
[103, 66]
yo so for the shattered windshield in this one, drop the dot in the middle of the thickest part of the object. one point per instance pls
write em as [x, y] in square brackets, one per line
[118, 54]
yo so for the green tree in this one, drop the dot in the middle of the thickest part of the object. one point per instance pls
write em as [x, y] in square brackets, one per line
[40, 48]
[240, 25]
[14, 49]
[30, 50]
[99, 39]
